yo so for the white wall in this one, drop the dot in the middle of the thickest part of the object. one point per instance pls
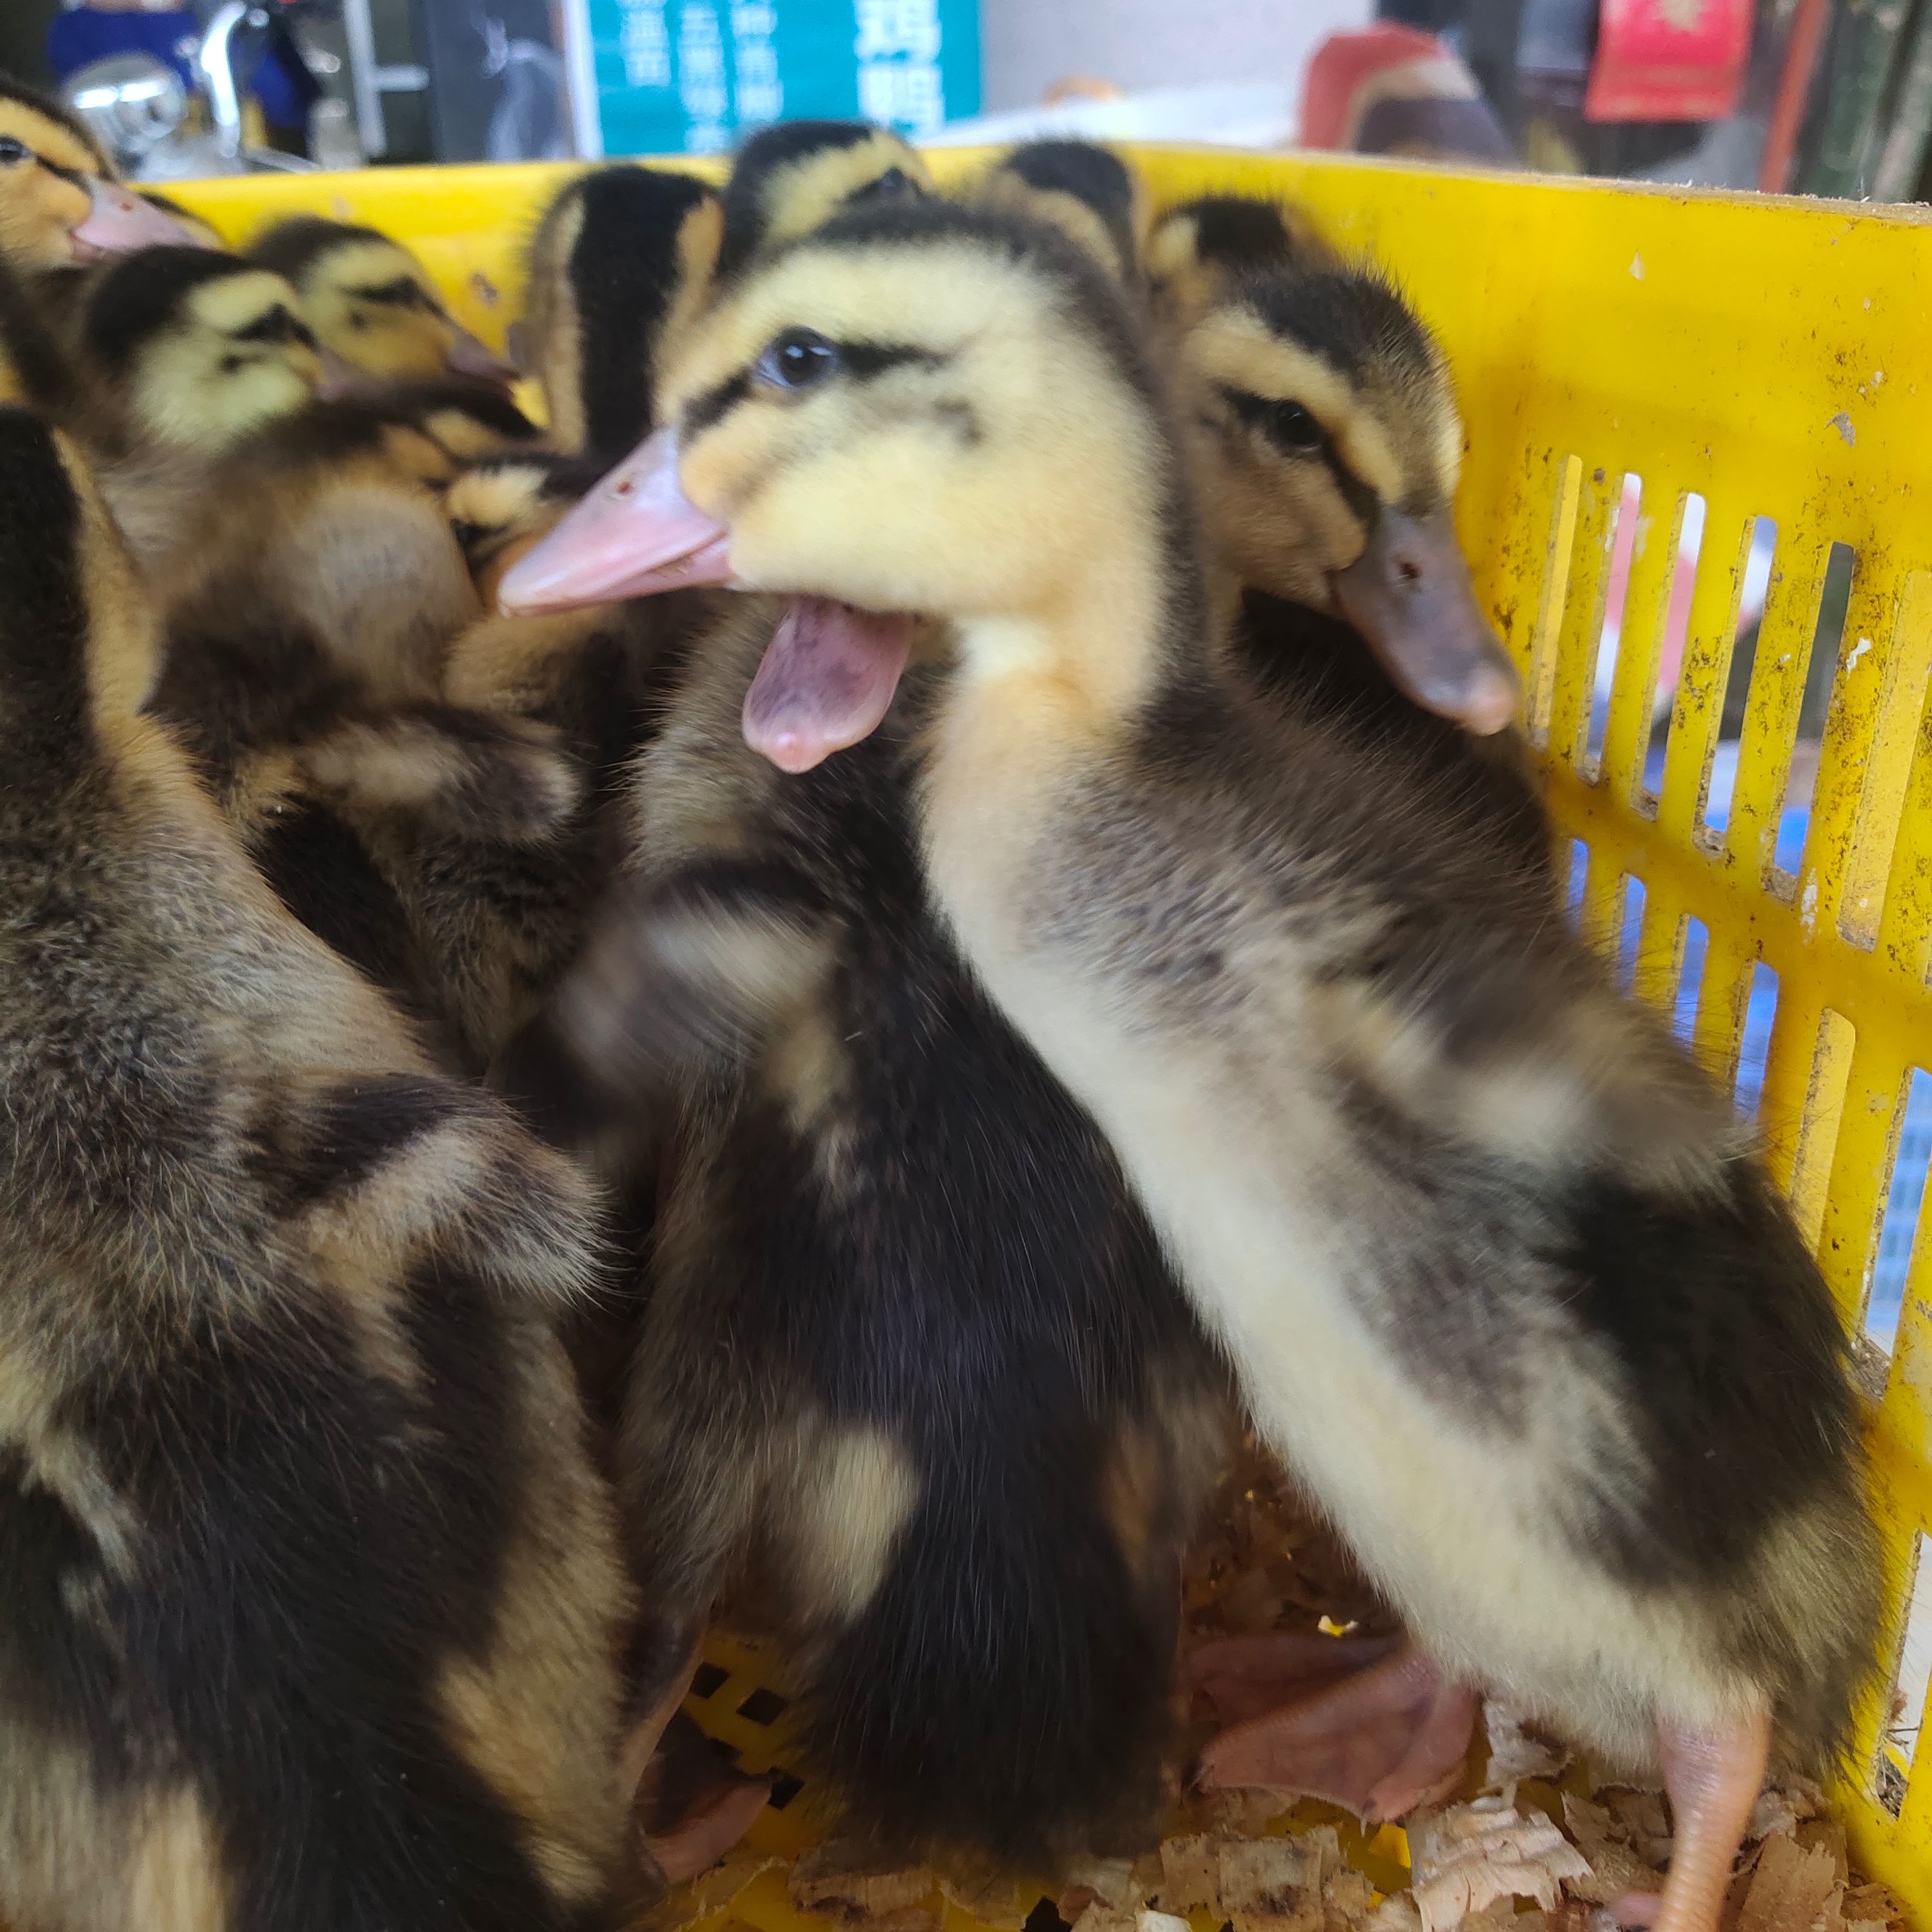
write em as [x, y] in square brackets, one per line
[1026, 45]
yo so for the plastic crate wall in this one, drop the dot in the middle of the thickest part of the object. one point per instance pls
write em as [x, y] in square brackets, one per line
[1745, 358]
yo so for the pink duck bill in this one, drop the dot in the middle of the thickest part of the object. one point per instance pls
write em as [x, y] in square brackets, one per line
[830, 671]
[119, 222]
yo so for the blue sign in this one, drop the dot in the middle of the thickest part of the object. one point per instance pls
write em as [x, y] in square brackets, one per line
[693, 76]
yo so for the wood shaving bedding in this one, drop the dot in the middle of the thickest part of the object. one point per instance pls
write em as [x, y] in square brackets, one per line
[1544, 1846]
[1465, 1857]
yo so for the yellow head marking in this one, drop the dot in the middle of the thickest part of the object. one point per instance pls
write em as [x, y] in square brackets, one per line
[979, 450]
[236, 356]
[556, 350]
[372, 302]
[806, 193]
[700, 237]
[1073, 216]
[1236, 349]
[38, 207]
[1295, 446]
[1172, 259]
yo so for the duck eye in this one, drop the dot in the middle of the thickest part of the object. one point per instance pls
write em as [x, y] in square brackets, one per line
[12, 151]
[1292, 426]
[797, 359]
[893, 181]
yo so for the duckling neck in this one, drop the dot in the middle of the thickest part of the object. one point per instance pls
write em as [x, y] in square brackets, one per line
[1084, 666]
[1224, 599]
[1036, 704]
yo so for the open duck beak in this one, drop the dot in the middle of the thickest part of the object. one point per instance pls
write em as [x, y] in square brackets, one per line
[829, 671]
[636, 534]
[470, 355]
[1410, 594]
[118, 222]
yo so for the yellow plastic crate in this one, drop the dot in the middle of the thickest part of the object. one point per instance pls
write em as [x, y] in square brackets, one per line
[1773, 357]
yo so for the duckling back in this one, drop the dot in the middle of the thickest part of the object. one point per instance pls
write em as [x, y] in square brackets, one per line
[789, 178]
[1080, 187]
[284, 1426]
[913, 1364]
[619, 264]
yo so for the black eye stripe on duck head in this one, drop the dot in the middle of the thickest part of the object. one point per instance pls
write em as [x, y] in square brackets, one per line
[1294, 430]
[279, 324]
[13, 151]
[862, 361]
[404, 292]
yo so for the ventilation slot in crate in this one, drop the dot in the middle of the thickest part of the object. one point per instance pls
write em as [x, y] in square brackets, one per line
[1905, 1715]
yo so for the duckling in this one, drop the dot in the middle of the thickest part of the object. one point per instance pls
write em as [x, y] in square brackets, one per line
[1085, 190]
[191, 350]
[911, 1365]
[59, 202]
[305, 653]
[160, 362]
[373, 302]
[1329, 437]
[619, 265]
[790, 177]
[187, 353]
[1326, 444]
[313, 1597]
[311, 585]
[1500, 1275]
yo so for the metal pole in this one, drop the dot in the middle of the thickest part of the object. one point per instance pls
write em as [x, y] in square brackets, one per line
[359, 30]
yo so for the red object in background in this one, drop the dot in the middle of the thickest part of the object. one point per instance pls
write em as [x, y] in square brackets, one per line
[1668, 60]
[1340, 66]
[1391, 89]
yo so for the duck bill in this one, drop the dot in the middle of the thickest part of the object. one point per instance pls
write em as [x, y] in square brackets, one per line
[1409, 594]
[340, 379]
[470, 355]
[635, 536]
[118, 222]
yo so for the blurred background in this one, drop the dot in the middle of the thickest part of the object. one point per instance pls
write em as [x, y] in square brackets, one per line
[1821, 96]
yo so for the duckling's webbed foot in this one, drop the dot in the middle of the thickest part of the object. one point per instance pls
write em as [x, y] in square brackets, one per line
[689, 1804]
[694, 1805]
[1712, 1778]
[1369, 1724]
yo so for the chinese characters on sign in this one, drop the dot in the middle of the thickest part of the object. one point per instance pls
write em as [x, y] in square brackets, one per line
[695, 75]
[900, 83]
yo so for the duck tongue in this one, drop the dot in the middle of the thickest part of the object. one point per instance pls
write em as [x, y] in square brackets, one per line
[826, 680]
